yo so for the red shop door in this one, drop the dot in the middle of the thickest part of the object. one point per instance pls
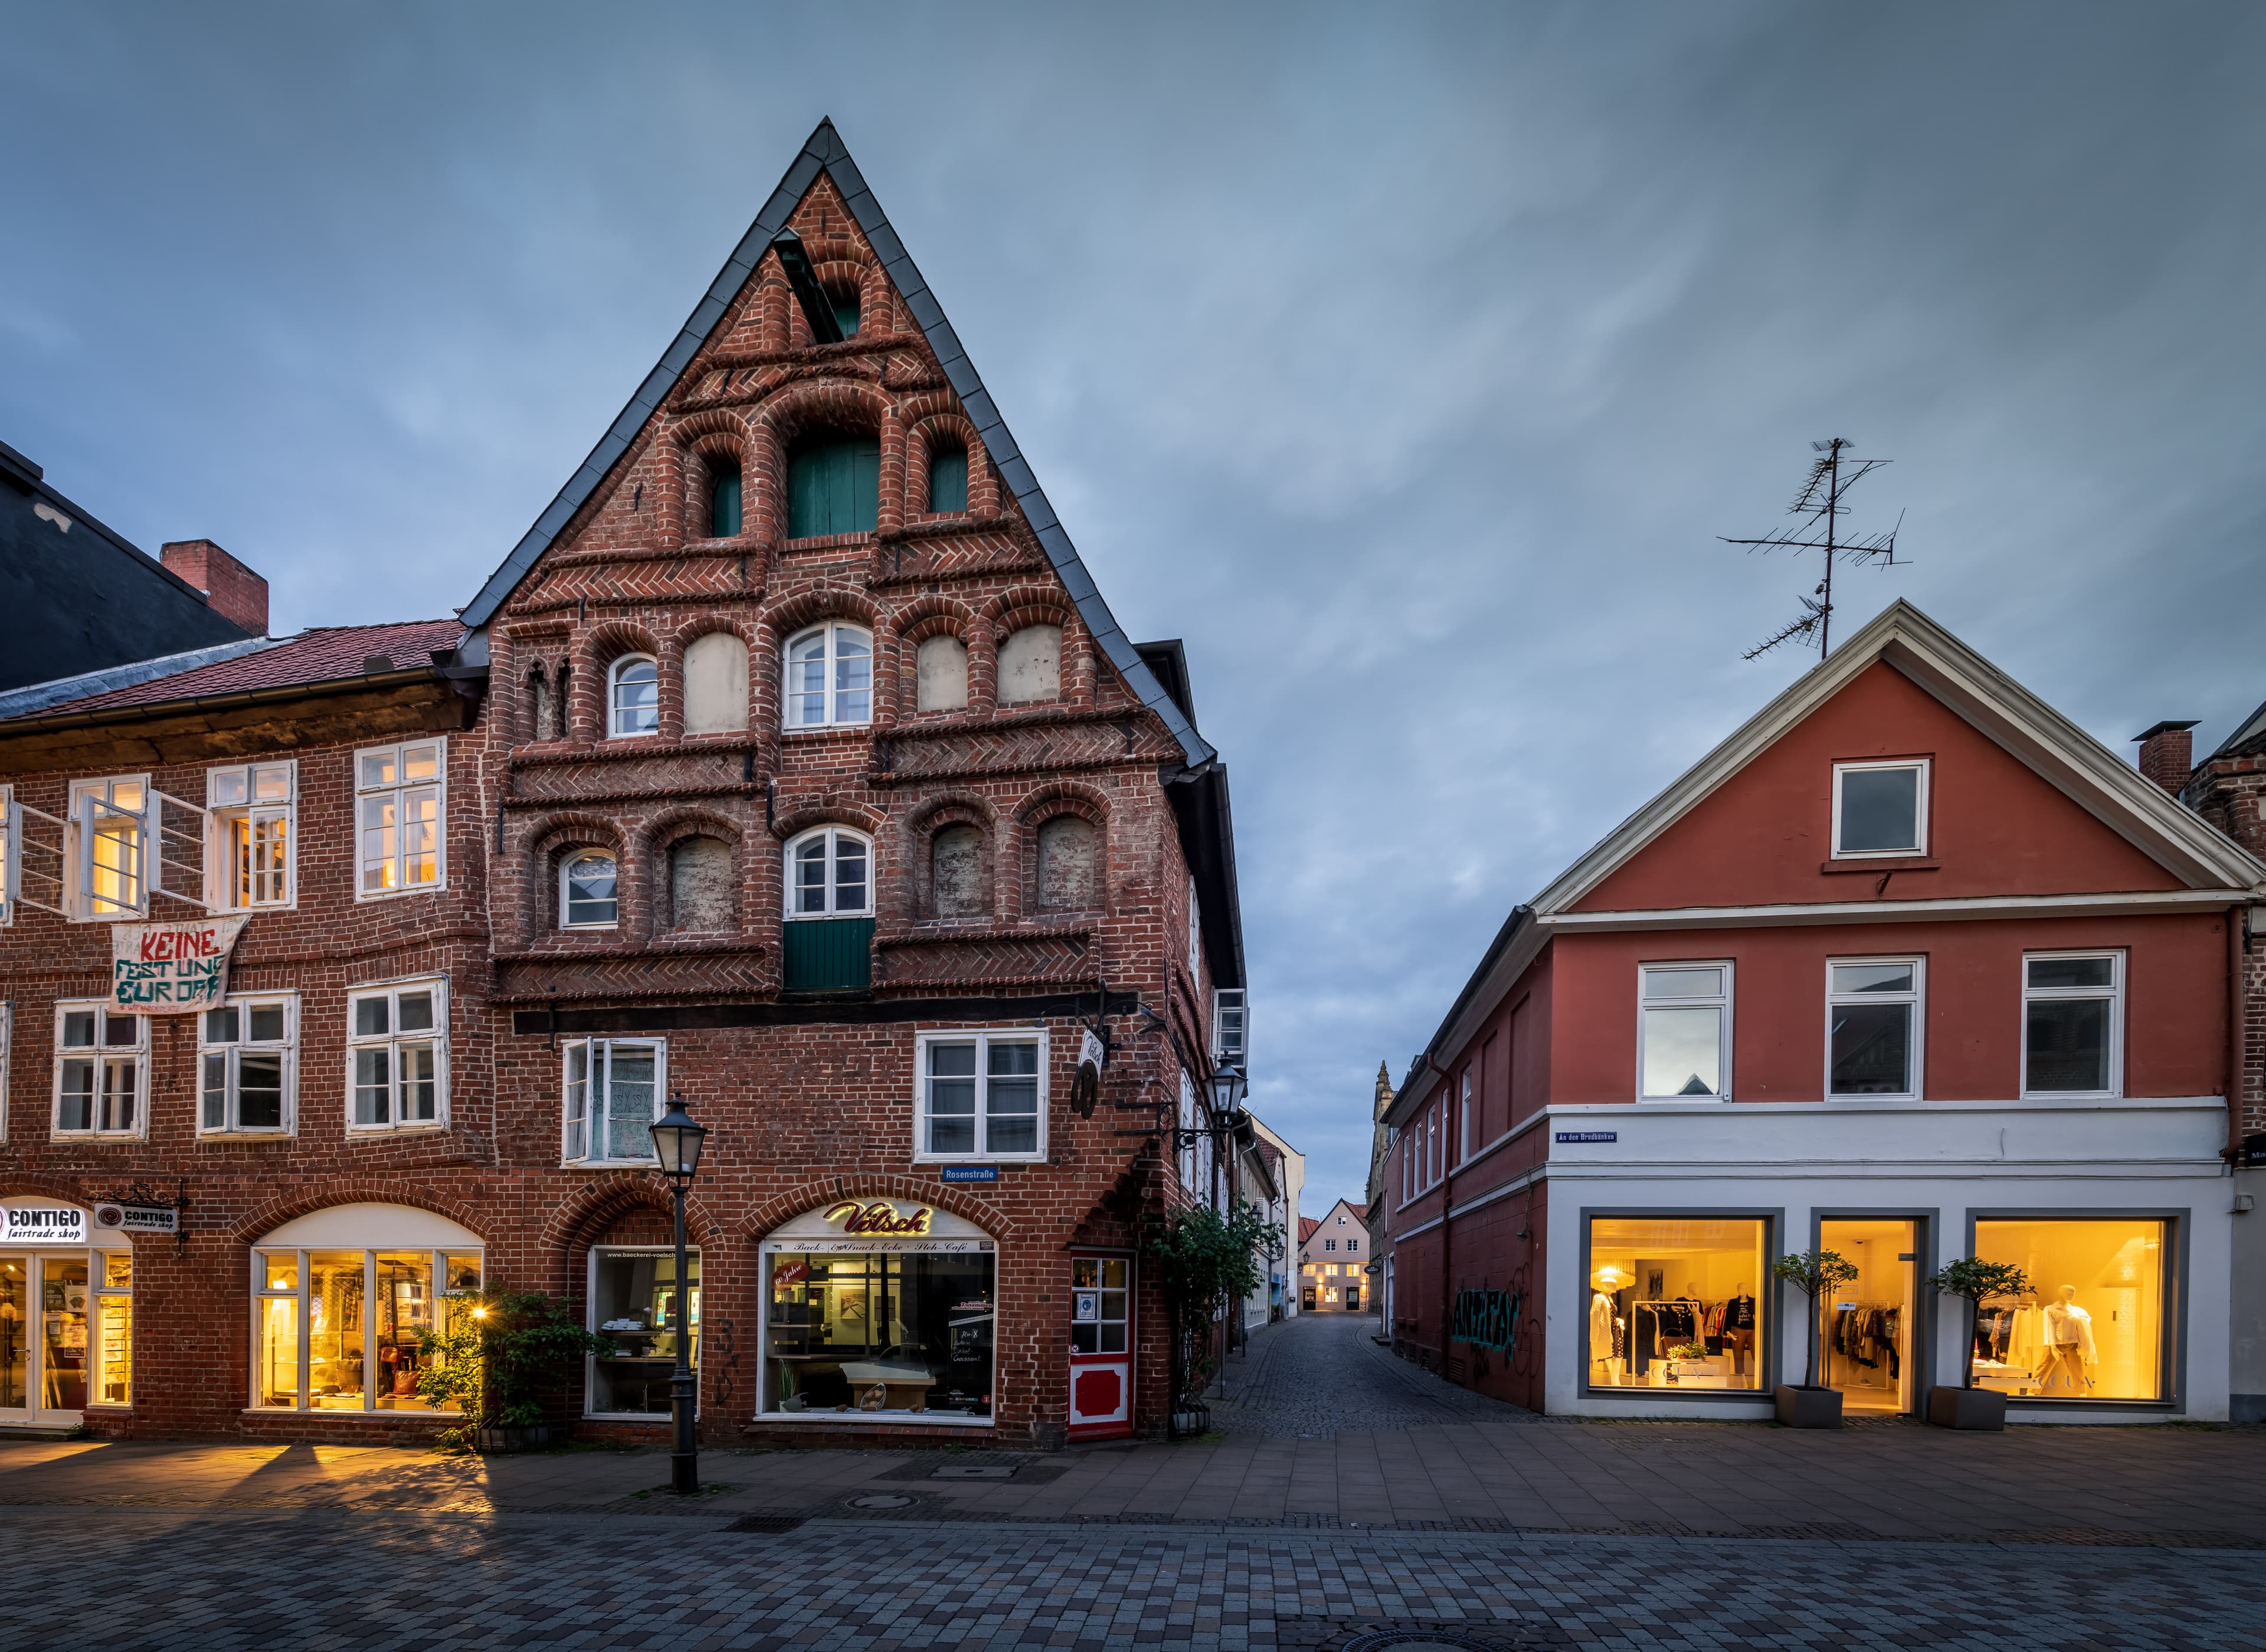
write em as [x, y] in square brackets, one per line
[1101, 1347]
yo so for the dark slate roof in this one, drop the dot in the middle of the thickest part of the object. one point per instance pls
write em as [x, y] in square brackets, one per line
[2247, 740]
[328, 655]
[826, 152]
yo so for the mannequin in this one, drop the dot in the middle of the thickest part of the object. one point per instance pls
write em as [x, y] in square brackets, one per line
[1741, 1316]
[2067, 1335]
[1605, 1327]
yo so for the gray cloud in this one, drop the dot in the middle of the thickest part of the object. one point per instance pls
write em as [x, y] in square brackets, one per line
[1405, 362]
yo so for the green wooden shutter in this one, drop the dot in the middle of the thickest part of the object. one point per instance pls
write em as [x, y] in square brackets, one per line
[835, 487]
[948, 481]
[724, 507]
[830, 954]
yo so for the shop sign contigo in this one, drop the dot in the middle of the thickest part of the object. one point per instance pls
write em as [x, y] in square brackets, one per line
[171, 968]
[46, 1224]
[138, 1218]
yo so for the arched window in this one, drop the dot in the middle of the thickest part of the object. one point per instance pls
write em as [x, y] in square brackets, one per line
[834, 486]
[1030, 665]
[830, 676]
[845, 305]
[723, 500]
[633, 696]
[829, 874]
[587, 895]
[940, 674]
[1070, 873]
[948, 479]
[956, 872]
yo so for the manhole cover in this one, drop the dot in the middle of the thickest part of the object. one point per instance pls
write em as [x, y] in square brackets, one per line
[882, 1499]
[972, 1471]
[774, 1524]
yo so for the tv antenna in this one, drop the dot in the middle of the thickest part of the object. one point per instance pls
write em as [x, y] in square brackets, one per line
[1831, 475]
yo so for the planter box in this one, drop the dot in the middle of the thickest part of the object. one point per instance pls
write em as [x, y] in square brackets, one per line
[497, 1442]
[1966, 1408]
[1799, 1408]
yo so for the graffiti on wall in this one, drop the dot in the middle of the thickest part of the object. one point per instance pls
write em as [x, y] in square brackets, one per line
[1487, 1319]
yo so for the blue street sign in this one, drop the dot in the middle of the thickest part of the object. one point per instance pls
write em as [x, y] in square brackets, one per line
[1589, 1136]
[968, 1172]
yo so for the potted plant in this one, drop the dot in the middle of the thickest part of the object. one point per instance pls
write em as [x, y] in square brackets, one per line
[1814, 1273]
[1206, 1262]
[495, 1353]
[1967, 1407]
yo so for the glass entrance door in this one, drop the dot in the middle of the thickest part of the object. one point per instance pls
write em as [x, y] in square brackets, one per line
[1868, 1327]
[45, 1356]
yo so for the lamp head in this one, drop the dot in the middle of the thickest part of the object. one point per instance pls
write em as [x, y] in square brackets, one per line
[677, 1140]
[1227, 1087]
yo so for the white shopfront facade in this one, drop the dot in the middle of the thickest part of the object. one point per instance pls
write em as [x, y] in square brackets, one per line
[66, 1313]
[1663, 1215]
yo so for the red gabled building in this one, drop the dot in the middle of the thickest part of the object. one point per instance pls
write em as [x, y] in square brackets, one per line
[1909, 968]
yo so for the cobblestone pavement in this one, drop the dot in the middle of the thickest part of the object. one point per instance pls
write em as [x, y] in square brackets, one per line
[128, 1580]
[1315, 1374]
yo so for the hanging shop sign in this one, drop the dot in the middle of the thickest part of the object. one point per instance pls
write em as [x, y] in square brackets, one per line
[881, 1217]
[46, 1224]
[171, 968]
[138, 1218]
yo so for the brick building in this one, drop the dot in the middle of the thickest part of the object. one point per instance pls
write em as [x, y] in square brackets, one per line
[791, 762]
[2228, 789]
[1909, 967]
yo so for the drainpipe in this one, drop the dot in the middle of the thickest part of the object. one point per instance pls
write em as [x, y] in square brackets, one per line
[2238, 948]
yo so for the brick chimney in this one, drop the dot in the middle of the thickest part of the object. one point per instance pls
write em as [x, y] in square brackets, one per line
[2167, 753]
[232, 590]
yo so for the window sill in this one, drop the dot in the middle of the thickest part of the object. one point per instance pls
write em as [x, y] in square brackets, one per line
[609, 1164]
[1881, 863]
[247, 1135]
[792, 729]
[99, 1138]
[980, 1158]
[342, 1414]
[363, 896]
[660, 1419]
[381, 1132]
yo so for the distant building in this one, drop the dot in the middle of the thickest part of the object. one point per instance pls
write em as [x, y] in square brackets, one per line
[1380, 1149]
[1289, 1165]
[79, 598]
[1332, 1254]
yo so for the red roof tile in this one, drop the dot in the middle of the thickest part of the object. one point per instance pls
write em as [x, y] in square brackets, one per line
[327, 654]
[1307, 1227]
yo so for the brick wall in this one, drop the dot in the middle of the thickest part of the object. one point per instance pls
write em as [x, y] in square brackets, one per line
[2230, 791]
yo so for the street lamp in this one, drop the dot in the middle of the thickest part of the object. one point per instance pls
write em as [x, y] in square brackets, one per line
[1227, 1089]
[676, 1142]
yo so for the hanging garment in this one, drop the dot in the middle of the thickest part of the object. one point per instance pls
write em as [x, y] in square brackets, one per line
[1739, 1313]
[2025, 1342]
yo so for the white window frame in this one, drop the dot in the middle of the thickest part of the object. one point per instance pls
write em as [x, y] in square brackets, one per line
[598, 1054]
[11, 832]
[565, 866]
[983, 1038]
[101, 1055]
[1915, 1046]
[223, 813]
[1723, 1000]
[2114, 992]
[1920, 810]
[791, 698]
[288, 1047]
[1230, 1006]
[1329, 1245]
[401, 789]
[391, 1040]
[86, 797]
[299, 1296]
[614, 707]
[1195, 935]
[792, 889]
[1463, 1119]
[7, 1058]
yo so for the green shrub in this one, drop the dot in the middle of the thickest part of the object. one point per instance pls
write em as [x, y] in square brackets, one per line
[497, 1353]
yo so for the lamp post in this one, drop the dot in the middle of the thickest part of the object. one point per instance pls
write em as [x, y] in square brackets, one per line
[1228, 1090]
[676, 1142]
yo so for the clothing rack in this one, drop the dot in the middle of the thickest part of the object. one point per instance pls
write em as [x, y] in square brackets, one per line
[1854, 1305]
[1693, 1306]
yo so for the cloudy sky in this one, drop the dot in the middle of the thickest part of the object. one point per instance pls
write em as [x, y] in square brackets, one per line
[1405, 361]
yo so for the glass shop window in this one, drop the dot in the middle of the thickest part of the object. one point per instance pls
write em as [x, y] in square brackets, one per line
[1676, 1302]
[2092, 1325]
[114, 1313]
[343, 1330]
[904, 1332]
[633, 1306]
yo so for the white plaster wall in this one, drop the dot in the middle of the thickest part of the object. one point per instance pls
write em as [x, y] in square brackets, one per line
[1802, 1157]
